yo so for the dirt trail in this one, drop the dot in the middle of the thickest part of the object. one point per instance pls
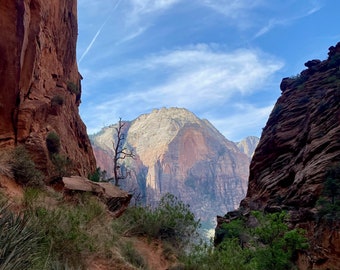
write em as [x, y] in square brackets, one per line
[11, 189]
[152, 252]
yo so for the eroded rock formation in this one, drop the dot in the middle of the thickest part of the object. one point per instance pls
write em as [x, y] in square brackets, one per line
[40, 84]
[116, 199]
[181, 154]
[298, 146]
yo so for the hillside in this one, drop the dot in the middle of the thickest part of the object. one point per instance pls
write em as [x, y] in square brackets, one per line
[183, 155]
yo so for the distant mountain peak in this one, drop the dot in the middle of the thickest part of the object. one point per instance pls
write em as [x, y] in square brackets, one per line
[248, 145]
[179, 153]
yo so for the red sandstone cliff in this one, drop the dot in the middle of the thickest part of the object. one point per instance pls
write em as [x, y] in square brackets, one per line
[299, 144]
[181, 154]
[40, 84]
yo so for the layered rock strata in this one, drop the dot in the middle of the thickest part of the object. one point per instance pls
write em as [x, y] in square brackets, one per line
[299, 145]
[181, 154]
[40, 85]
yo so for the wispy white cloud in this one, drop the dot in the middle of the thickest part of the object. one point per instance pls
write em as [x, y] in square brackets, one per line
[232, 8]
[239, 13]
[195, 77]
[247, 120]
[210, 61]
[149, 6]
[274, 22]
[140, 11]
[132, 36]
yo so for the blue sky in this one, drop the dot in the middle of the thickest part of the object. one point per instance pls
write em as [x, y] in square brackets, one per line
[221, 59]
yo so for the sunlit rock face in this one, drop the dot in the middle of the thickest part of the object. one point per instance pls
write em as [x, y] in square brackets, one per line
[40, 84]
[248, 145]
[299, 144]
[181, 154]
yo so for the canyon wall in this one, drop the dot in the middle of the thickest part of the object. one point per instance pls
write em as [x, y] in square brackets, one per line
[40, 85]
[298, 150]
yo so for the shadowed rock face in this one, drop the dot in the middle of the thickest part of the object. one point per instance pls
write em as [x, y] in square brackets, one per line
[184, 155]
[40, 84]
[299, 144]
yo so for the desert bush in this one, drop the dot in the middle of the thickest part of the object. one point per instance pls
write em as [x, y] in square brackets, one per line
[299, 79]
[98, 175]
[171, 221]
[270, 245]
[31, 196]
[334, 61]
[276, 245]
[53, 142]
[329, 202]
[233, 230]
[23, 168]
[67, 230]
[62, 165]
[229, 255]
[57, 100]
[73, 88]
[20, 243]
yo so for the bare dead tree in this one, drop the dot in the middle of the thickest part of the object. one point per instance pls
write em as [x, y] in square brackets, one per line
[120, 153]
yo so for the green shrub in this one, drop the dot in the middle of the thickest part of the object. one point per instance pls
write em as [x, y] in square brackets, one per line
[73, 88]
[62, 165]
[67, 231]
[334, 60]
[98, 176]
[57, 100]
[232, 230]
[23, 168]
[53, 142]
[171, 221]
[20, 243]
[31, 195]
[270, 245]
[229, 255]
[276, 245]
[329, 201]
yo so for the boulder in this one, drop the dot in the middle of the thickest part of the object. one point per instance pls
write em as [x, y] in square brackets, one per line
[116, 199]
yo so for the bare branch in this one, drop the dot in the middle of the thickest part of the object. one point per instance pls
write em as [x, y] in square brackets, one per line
[120, 152]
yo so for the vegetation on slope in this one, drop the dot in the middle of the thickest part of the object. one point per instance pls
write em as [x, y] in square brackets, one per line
[329, 201]
[57, 231]
[268, 245]
[67, 233]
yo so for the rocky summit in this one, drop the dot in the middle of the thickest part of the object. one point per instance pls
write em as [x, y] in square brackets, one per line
[181, 154]
[299, 151]
[40, 85]
[248, 145]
